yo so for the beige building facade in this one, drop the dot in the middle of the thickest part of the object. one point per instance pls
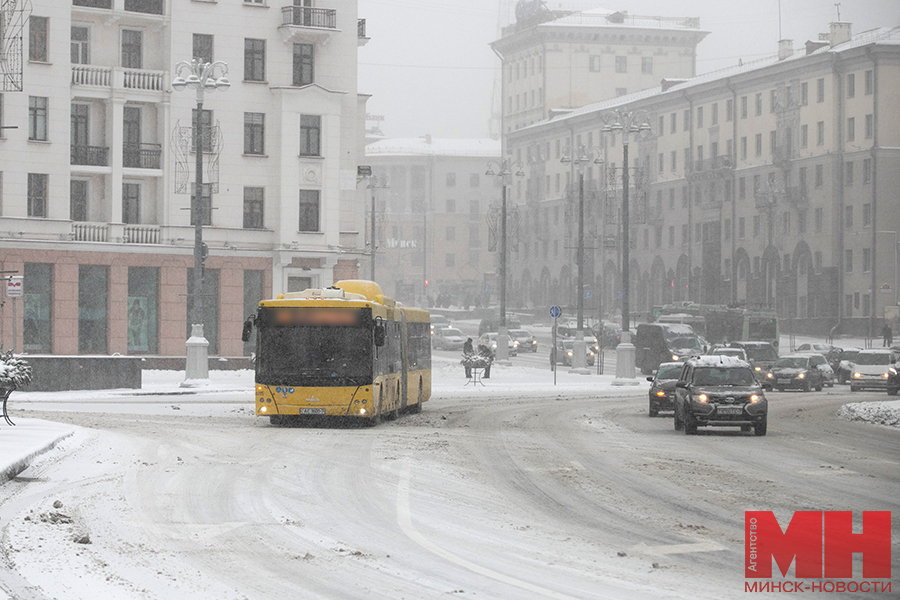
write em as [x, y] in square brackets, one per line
[773, 183]
[98, 176]
[433, 222]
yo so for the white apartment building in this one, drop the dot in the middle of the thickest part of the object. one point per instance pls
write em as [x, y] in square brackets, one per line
[774, 183]
[98, 175]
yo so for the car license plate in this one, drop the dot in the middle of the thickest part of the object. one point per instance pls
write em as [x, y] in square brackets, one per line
[729, 410]
[784, 381]
[312, 411]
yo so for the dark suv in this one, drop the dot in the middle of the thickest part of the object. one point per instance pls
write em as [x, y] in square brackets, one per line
[719, 391]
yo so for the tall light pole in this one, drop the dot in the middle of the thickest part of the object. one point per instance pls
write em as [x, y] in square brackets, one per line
[625, 122]
[375, 183]
[504, 172]
[201, 77]
[579, 352]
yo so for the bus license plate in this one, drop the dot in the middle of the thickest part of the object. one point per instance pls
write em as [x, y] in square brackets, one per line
[729, 410]
[312, 411]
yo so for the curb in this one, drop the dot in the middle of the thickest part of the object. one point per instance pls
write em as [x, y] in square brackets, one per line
[10, 471]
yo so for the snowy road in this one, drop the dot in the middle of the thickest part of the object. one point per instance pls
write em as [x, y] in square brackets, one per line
[491, 497]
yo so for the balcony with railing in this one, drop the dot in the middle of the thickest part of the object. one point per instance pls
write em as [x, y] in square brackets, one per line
[91, 156]
[141, 234]
[83, 231]
[143, 156]
[710, 168]
[140, 80]
[305, 24]
[361, 37]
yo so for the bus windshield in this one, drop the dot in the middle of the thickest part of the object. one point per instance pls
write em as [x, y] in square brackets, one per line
[761, 353]
[315, 356]
[762, 328]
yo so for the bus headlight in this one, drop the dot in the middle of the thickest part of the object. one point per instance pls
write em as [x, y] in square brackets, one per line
[262, 409]
[362, 411]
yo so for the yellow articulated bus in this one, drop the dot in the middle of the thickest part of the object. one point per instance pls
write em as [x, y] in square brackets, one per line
[342, 351]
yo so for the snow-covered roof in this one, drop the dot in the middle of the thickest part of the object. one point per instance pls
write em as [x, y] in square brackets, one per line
[427, 146]
[604, 17]
[719, 360]
[879, 36]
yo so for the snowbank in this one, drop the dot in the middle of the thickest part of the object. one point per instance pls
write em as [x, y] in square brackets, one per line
[879, 413]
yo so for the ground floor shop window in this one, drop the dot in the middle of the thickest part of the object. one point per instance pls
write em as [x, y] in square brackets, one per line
[93, 301]
[38, 298]
[143, 317]
[210, 304]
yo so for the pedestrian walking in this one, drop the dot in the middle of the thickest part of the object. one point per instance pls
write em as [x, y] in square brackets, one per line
[468, 355]
[888, 336]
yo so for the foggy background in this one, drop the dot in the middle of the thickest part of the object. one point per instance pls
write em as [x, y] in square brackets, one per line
[430, 69]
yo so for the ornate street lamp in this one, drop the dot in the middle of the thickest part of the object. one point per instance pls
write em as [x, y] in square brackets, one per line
[584, 156]
[504, 172]
[201, 77]
[375, 183]
[625, 122]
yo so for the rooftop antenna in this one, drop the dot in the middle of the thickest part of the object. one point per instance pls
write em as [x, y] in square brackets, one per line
[837, 5]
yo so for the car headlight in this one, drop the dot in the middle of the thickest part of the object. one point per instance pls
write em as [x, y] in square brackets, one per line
[754, 398]
[857, 375]
[675, 357]
[661, 394]
[886, 375]
[703, 398]
[801, 375]
[770, 376]
[516, 342]
[569, 353]
[757, 369]
[534, 341]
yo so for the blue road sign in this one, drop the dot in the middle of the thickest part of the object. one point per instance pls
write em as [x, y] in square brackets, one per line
[555, 311]
[588, 294]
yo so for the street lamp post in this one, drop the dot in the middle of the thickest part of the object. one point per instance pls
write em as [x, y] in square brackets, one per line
[626, 123]
[504, 172]
[579, 351]
[201, 77]
[375, 183]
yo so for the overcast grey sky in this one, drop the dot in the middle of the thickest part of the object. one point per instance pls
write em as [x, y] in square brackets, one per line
[430, 69]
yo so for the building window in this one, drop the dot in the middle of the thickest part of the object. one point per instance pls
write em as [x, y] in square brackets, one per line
[475, 180]
[867, 170]
[451, 179]
[78, 199]
[820, 133]
[254, 60]
[786, 226]
[475, 236]
[699, 117]
[38, 300]
[848, 261]
[309, 210]
[820, 90]
[131, 203]
[851, 85]
[820, 176]
[743, 147]
[867, 260]
[848, 217]
[673, 121]
[450, 260]
[662, 125]
[869, 82]
[254, 207]
[729, 110]
[254, 133]
[758, 144]
[758, 100]
[143, 302]
[848, 173]
[851, 129]
[310, 135]
[451, 205]
[37, 194]
[37, 38]
[773, 141]
[132, 115]
[870, 126]
[93, 296]
[867, 215]
[674, 156]
[773, 100]
[803, 188]
[804, 136]
[743, 107]
[687, 120]
[647, 65]
[621, 64]
[594, 64]
[804, 93]
[742, 188]
[819, 217]
[81, 45]
[474, 210]
[304, 64]
[132, 49]
[203, 47]
[450, 234]
[756, 225]
[801, 221]
[37, 118]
